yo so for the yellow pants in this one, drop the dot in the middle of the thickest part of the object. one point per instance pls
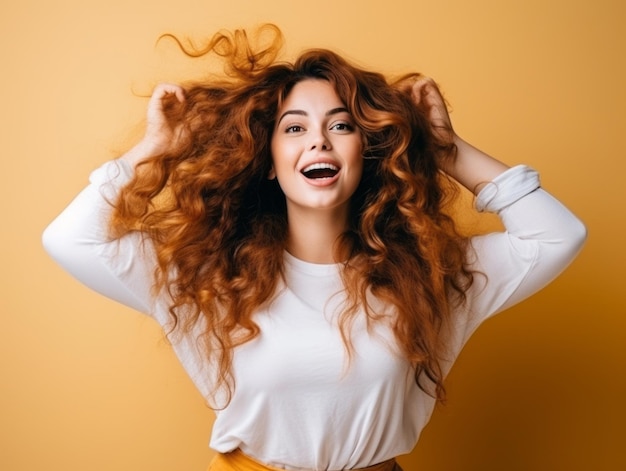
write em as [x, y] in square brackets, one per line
[238, 461]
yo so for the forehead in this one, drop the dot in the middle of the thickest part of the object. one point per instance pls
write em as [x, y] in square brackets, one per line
[312, 92]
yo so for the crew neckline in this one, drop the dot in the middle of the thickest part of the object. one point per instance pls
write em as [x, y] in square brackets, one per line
[310, 268]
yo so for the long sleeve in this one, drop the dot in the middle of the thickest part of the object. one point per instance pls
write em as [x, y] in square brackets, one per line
[541, 238]
[78, 240]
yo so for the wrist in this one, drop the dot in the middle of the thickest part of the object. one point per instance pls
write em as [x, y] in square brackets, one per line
[143, 150]
[472, 167]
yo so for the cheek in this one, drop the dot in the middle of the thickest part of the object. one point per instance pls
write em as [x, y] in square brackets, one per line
[284, 153]
[356, 157]
[355, 175]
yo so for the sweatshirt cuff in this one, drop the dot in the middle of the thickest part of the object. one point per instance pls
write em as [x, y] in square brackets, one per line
[507, 188]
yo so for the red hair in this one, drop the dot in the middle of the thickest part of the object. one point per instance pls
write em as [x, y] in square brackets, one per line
[220, 232]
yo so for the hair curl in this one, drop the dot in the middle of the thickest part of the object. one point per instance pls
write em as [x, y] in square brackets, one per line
[220, 231]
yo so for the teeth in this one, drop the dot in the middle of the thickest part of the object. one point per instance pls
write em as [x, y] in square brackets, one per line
[320, 166]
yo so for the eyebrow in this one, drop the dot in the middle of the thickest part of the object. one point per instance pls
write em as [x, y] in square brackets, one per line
[341, 109]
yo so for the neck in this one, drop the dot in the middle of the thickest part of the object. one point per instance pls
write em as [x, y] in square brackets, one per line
[313, 234]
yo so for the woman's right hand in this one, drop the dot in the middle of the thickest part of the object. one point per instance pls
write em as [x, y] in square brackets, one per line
[163, 133]
[164, 127]
[427, 96]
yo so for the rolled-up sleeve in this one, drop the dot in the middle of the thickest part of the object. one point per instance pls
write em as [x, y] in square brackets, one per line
[541, 238]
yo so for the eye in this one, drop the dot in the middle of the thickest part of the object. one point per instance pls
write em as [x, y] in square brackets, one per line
[294, 128]
[342, 127]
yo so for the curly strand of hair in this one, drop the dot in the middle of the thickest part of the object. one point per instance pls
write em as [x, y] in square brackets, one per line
[219, 227]
[416, 259]
[242, 59]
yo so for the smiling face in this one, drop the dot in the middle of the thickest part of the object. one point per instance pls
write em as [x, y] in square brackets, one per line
[316, 149]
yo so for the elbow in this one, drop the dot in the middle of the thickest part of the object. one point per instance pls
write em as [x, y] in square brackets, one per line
[61, 243]
[570, 243]
[51, 240]
[578, 236]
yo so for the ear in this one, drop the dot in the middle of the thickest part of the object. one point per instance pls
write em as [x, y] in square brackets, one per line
[271, 174]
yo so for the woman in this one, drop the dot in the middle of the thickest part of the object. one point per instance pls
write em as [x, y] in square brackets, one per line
[286, 225]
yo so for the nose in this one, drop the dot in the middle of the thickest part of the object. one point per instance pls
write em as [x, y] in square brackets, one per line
[319, 141]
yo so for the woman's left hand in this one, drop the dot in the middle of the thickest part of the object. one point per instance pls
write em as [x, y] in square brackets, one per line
[427, 96]
[469, 166]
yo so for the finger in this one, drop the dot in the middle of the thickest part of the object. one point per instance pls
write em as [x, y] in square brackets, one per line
[421, 88]
[177, 91]
[165, 98]
[164, 90]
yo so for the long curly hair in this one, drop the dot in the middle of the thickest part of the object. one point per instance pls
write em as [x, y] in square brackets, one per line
[219, 225]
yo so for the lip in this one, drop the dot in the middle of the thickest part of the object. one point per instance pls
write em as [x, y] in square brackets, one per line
[320, 182]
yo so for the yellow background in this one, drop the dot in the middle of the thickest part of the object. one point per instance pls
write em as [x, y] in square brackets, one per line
[88, 384]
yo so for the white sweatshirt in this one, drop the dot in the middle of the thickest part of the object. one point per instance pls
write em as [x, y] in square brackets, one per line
[298, 402]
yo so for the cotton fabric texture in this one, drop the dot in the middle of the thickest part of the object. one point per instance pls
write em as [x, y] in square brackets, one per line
[298, 403]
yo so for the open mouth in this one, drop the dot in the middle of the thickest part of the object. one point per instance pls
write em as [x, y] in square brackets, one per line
[320, 170]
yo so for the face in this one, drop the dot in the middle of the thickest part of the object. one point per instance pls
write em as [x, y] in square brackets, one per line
[316, 149]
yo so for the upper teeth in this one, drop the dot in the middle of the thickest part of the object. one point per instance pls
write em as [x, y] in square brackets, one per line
[320, 166]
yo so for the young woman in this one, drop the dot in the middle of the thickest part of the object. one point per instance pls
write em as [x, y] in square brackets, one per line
[287, 227]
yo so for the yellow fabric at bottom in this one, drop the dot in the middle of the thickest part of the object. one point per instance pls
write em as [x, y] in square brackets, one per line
[238, 461]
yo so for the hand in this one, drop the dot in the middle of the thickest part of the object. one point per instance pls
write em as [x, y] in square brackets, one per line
[469, 166]
[164, 128]
[426, 95]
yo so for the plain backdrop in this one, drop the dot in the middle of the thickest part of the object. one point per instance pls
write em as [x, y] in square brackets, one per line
[87, 384]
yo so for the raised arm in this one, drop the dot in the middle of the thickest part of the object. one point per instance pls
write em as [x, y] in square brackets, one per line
[541, 235]
[78, 239]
